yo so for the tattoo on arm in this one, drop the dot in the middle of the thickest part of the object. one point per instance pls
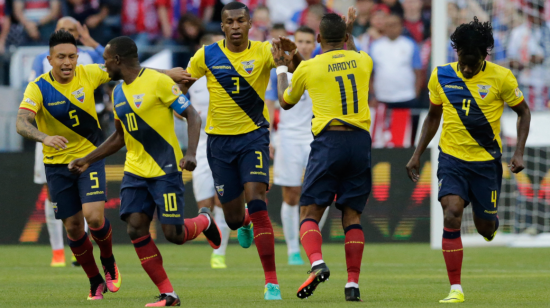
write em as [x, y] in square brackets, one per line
[25, 128]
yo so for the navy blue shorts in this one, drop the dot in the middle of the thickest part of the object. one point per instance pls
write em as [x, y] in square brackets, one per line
[339, 165]
[475, 182]
[238, 159]
[144, 195]
[69, 191]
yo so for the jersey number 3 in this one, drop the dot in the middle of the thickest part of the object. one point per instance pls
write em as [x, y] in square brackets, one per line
[340, 81]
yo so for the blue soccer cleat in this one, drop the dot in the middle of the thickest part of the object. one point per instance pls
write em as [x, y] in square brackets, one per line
[245, 235]
[272, 292]
[295, 259]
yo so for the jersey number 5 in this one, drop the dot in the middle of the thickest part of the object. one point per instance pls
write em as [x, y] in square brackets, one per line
[340, 81]
[73, 115]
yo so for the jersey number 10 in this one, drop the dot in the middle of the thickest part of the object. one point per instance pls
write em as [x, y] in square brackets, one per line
[131, 122]
[340, 81]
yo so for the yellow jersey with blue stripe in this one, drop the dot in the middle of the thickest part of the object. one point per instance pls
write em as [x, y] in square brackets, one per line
[237, 83]
[144, 108]
[338, 84]
[472, 109]
[67, 110]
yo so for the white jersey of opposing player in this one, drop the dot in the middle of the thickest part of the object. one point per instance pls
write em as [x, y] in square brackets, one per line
[295, 124]
[203, 182]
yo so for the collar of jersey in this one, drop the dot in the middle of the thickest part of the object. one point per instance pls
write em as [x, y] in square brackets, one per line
[61, 84]
[459, 73]
[249, 44]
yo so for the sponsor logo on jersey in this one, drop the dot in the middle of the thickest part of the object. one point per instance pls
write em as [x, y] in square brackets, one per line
[79, 94]
[138, 99]
[176, 90]
[120, 104]
[454, 87]
[29, 101]
[518, 92]
[219, 188]
[56, 103]
[248, 66]
[483, 90]
[221, 67]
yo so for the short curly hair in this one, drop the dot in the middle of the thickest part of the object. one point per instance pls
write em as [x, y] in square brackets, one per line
[473, 38]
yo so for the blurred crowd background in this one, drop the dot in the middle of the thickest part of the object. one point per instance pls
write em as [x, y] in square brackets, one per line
[396, 33]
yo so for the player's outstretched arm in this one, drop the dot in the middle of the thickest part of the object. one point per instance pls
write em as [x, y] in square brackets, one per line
[429, 128]
[282, 60]
[189, 162]
[26, 129]
[350, 20]
[110, 146]
[524, 121]
[289, 46]
[178, 74]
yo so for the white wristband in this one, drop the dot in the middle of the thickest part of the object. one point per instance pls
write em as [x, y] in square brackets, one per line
[282, 69]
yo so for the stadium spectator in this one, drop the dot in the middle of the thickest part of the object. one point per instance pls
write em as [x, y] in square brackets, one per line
[204, 9]
[147, 22]
[364, 11]
[310, 16]
[375, 31]
[38, 18]
[394, 6]
[397, 83]
[90, 13]
[190, 30]
[416, 25]
[261, 24]
[277, 30]
[281, 11]
[5, 24]
[529, 55]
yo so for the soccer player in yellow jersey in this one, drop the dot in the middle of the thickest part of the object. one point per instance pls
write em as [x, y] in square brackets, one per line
[237, 72]
[470, 94]
[144, 104]
[340, 159]
[62, 102]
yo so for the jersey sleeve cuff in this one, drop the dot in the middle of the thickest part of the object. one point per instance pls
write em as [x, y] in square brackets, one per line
[28, 109]
[287, 99]
[180, 104]
[517, 102]
[435, 104]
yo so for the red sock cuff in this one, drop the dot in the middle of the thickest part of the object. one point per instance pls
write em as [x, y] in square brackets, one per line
[97, 229]
[141, 239]
[451, 230]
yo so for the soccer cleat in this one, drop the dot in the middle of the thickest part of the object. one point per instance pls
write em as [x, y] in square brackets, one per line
[295, 259]
[96, 291]
[112, 275]
[353, 295]
[217, 261]
[58, 259]
[165, 300]
[455, 296]
[74, 261]
[492, 237]
[212, 233]
[245, 235]
[318, 274]
[272, 292]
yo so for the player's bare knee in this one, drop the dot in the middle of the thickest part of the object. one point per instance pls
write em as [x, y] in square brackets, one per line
[75, 230]
[312, 211]
[350, 217]
[234, 222]
[452, 218]
[174, 233]
[136, 232]
[291, 195]
[95, 220]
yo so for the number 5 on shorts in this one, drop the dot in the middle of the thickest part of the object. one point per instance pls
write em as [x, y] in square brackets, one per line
[170, 204]
[93, 177]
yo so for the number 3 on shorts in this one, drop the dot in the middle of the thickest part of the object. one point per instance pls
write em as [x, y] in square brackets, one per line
[261, 165]
[170, 204]
[93, 177]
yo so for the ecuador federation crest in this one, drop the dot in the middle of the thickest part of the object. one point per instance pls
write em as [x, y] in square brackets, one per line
[220, 189]
[79, 94]
[248, 66]
[483, 90]
[138, 99]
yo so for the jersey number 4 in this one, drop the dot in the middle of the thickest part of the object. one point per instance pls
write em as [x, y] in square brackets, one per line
[340, 81]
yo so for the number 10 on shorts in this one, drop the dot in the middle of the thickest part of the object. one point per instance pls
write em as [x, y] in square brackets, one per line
[170, 204]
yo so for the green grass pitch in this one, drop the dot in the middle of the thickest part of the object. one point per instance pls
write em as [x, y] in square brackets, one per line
[403, 275]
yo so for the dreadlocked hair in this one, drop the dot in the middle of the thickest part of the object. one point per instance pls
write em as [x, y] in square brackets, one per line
[473, 38]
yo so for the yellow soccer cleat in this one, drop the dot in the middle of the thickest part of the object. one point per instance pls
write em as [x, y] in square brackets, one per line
[492, 238]
[217, 261]
[455, 296]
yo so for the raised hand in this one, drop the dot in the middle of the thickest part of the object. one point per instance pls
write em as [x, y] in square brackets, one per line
[287, 45]
[280, 56]
[350, 20]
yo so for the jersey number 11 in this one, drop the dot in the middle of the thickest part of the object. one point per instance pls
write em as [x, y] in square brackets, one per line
[340, 81]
